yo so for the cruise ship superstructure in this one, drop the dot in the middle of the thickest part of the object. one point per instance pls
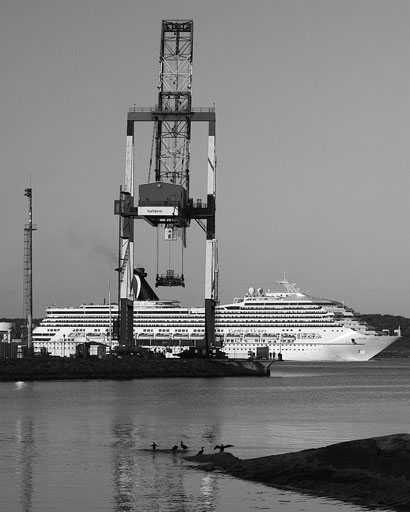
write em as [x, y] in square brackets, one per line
[287, 324]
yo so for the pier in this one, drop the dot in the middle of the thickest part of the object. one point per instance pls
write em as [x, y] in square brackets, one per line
[57, 368]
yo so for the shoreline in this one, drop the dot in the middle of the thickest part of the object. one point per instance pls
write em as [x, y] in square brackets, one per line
[373, 472]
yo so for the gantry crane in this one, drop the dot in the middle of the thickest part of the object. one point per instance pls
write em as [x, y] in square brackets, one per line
[166, 201]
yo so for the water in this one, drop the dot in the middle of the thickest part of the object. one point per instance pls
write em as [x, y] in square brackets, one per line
[84, 445]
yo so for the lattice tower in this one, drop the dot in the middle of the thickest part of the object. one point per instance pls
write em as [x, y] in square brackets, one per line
[173, 136]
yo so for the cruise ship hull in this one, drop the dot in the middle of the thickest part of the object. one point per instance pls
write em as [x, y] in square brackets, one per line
[60, 339]
[291, 326]
[324, 352]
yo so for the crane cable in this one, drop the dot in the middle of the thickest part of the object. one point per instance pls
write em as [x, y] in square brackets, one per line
[169, 254]
[182, 251]
[157, 251]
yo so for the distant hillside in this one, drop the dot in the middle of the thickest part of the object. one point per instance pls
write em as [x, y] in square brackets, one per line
[401, 347]
[390, 322]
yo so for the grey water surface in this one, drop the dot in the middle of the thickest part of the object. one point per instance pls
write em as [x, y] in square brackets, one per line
[85, 445]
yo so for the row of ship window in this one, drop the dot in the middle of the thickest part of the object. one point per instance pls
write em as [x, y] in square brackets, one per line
[177, 330]
[246, 314]
[222, 311]
[289, 321]
[290, 331]
[272, 309]
[70, 319]
[75, 329]
[259, 325]
[77, 321]
[299, 334]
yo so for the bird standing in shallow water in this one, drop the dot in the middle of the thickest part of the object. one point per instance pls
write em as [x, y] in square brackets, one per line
[174, 448]
[183, 446]
[221, 447]
[201, 451]
[154, 446]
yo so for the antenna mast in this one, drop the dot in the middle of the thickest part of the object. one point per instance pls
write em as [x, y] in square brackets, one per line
[28, 269]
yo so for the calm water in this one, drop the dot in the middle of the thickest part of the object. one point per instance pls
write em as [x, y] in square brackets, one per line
[84, 445]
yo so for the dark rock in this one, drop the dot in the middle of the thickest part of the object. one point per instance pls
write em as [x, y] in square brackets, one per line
[370, 472]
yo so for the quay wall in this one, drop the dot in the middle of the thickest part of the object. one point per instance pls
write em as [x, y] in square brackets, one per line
[38, 368]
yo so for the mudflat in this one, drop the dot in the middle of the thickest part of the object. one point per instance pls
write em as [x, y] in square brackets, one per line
[373, 472]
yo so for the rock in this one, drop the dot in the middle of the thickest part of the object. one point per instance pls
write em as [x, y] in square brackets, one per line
[370, 472]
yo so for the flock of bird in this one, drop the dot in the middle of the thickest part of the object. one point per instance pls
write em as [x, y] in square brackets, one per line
[220, 447]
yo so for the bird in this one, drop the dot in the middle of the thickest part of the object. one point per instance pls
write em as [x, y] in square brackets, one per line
[221, 447]
[174, 448]
[201, 451]
[154, 446]
[183, 446]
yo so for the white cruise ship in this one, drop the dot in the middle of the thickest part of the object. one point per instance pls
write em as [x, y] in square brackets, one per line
[287, 324]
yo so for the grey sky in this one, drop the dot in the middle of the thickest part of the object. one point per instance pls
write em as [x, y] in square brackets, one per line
[313, 116]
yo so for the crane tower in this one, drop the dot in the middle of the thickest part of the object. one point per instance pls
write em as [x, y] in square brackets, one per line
[165, 202]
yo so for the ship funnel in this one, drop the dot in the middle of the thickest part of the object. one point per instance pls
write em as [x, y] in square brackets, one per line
[251, 290]
[145, 292]
[260, 291]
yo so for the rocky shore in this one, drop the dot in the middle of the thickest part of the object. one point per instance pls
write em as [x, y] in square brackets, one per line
[371, 472]
[125, 368]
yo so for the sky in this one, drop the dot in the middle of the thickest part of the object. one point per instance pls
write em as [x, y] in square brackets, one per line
[312, 104]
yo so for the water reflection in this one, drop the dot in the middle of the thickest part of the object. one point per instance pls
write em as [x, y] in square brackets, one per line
[138, 475]
[211, 433]
[24, 462]
[160, 480]
[208, 491]
[124, 466]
